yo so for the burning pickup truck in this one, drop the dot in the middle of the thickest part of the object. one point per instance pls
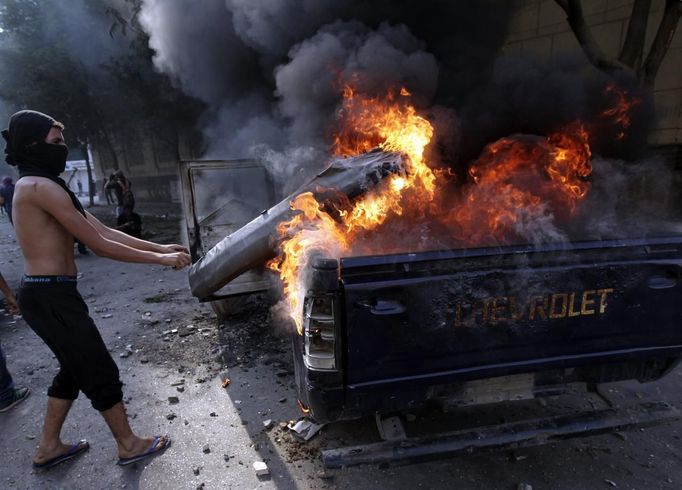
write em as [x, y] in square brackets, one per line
[401, 292]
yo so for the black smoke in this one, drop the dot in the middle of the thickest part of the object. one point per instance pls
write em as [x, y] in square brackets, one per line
[271, 72]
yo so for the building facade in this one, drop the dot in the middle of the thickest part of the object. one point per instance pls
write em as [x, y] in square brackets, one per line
[149, 160]
[540, 27]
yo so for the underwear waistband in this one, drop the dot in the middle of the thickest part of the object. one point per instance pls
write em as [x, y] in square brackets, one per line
[45, 280]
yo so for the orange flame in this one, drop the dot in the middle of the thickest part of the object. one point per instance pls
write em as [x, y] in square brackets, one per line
[390, 123]
[310, 230]
[302, 407]
[364, 123]
[520, 177]
[515, 179]
[620, 112]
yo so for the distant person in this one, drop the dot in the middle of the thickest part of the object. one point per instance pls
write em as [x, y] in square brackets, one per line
[6, 195]
[127, 199]
[10, 396]
[120, 185]
[80, 187]
[122, 179]
[107, 191]
[129, 222]
[48, 218]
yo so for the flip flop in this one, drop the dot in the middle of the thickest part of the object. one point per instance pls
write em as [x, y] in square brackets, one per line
[155, 449]
[75, 449]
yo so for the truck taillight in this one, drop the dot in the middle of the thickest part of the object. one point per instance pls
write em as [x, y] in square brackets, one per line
[319, 333]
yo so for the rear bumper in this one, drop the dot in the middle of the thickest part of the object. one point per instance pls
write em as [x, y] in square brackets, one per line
[505, 435]
[330, 399]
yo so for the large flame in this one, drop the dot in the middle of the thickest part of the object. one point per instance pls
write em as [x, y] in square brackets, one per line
[364, 123]
[520, 178]
[309, 231]
[392, 124]
[515, 179]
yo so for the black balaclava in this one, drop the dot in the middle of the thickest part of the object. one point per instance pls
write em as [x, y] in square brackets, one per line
[27, 149]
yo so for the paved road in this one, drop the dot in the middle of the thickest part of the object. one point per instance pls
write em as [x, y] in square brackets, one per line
[132, 303]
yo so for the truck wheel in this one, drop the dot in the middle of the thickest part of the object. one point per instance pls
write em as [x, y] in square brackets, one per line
[228, 306]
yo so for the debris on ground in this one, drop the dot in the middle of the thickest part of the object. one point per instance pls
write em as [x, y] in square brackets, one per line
[524, 486]
[261, 468]
[206, 449]
[324, 475]
[304, 428]
[173, 400]
[226, 382]
[267, 424]
[390, 428]
[127, 352]
[621, 435]
[519, 457]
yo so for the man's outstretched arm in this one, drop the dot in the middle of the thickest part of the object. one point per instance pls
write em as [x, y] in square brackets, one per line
[125, 239]
[52, 199]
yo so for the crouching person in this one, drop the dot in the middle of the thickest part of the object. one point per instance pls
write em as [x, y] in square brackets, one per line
[47, 218]
[129, 222]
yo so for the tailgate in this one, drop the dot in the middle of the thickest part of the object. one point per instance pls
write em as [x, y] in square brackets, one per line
[443, 316]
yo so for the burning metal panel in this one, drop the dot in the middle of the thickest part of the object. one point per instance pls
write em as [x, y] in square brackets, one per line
[256, 242]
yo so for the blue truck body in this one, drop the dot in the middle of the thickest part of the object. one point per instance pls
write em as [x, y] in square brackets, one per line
[390, 333]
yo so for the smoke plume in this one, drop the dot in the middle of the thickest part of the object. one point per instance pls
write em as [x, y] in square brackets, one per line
[272, 72]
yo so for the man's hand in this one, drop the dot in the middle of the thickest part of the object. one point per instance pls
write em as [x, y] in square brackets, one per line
[176, 260]
[12, 305]
[175, 248]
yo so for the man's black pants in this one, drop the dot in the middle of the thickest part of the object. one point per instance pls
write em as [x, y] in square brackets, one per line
[55, 310]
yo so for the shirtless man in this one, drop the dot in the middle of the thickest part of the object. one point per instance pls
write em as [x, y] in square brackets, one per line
[47, 217]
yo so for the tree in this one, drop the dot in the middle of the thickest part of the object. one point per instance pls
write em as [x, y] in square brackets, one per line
[98, 104]
[42, 74]
[631, 59]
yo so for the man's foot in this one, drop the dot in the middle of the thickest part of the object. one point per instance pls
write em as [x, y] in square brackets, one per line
[154, 446]
[60, 454]
[18, 396]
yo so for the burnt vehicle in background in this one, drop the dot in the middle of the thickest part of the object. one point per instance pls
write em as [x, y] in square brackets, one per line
[218, 198]
[388, 333]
